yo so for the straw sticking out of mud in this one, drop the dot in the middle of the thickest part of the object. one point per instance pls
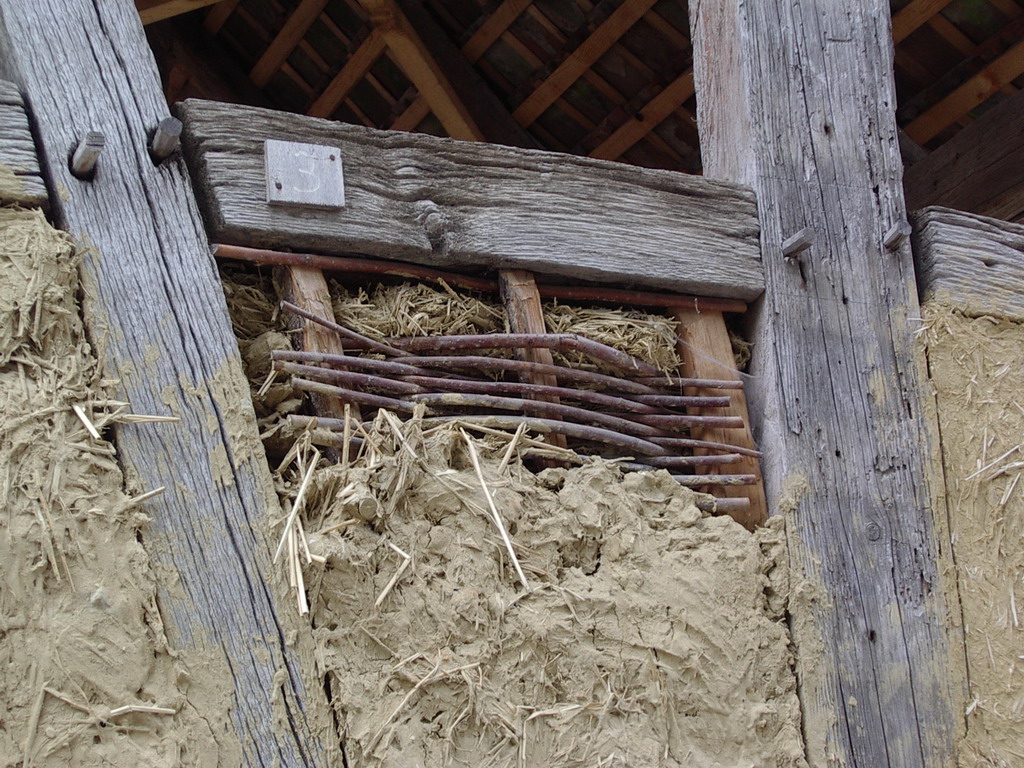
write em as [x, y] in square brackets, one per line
[645, 637]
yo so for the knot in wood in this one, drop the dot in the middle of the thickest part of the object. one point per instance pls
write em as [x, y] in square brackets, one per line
[433, 221]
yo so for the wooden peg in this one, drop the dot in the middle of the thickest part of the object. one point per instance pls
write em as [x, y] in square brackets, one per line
[797, 243]
[83, 161]
[165, 139]
[896, 234]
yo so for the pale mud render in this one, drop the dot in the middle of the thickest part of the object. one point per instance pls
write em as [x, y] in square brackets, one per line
[977, 366]
[81, 637]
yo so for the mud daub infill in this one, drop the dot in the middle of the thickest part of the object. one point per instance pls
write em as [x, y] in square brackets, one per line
[80, 633]
[645, 640]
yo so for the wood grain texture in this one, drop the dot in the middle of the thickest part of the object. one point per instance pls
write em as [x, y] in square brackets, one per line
[526, 315]
[157, 315]
[975, 262]
[21, 182]
[306, 288]
[797, 99]
[981, 169]
[706, 351]
[446, 203]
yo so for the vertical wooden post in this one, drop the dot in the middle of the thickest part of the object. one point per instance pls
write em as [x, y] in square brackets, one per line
[706, 352]
[306, 287]
[157, 315]
[797, 99]
[526, 315]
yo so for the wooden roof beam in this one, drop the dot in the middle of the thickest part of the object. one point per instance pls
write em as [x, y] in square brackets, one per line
[580, 60]
[158, 10]
[969, 95]
[466, 107]
[483, 38]
[980, 170]
[420, 66]
[647, 118]
[913, 15]
[281, 47]
[352, 72]
[218, 15]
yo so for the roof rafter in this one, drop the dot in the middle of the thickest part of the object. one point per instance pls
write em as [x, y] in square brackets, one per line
[281, 47]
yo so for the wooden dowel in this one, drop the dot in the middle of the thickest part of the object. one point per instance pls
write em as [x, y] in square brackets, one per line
[86, 154]
[348, 333]
[165, 139]
[561, 341]
[364, 266]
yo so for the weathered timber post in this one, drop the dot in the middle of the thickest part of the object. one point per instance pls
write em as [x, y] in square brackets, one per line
[797, 100]
[157, 314]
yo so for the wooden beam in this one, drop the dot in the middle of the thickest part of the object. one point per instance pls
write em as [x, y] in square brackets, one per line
[352, 72]
[420, 66]
[423, 199]
[21, 179]
[797, 99]
[988, 81]
[580, 60]
[157, 315]
[218, 15]
[281, 47]
[476, 46]
[706, 351]
[157, 10]
[981, 169]
[526, 315]
[307, 288]
[972, 262]
[914, 14]
[647, 119]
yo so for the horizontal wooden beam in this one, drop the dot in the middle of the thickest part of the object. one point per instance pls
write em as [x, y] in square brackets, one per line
[157, 10]
[218, 15]
[969, 95]
[973, 262]
[422, 199]
[21, 180]
[980, 170]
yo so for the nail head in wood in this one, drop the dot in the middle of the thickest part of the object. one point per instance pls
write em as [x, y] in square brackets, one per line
[165, 139]
[83, 161]
[797, 243]
[896, 234]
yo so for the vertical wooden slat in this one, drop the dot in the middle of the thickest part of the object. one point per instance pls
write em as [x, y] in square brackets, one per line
[526, 315]
[706, 351]
[306, 287]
